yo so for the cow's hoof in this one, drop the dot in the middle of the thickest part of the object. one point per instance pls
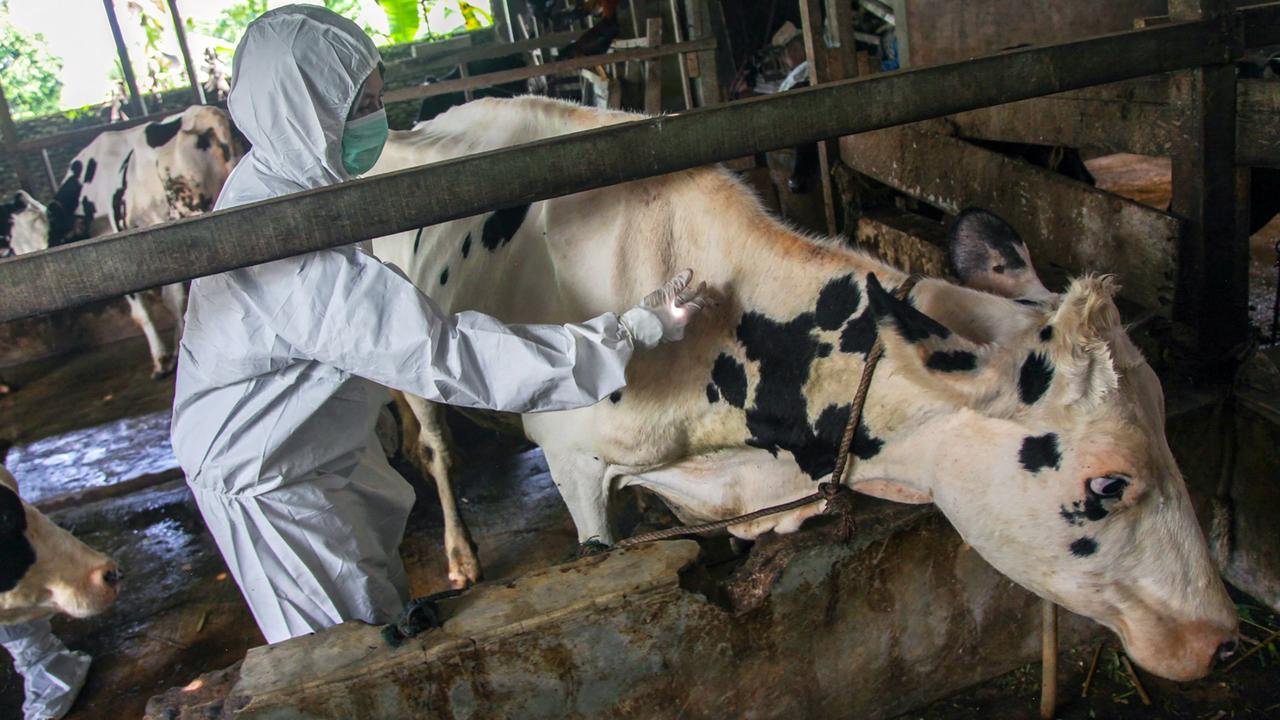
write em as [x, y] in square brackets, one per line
[420, 615]
[464, 569]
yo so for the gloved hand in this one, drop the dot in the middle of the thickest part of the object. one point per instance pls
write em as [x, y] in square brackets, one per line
[664, 313]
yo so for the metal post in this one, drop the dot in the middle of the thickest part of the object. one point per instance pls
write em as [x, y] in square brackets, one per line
[1213, 258]
[197, 90]
[9, 136]
[140, 105]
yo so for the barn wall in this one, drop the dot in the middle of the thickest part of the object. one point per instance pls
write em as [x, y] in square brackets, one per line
[943, 31]
[96, 324]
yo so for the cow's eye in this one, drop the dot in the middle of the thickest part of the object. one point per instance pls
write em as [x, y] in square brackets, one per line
[1109, 487]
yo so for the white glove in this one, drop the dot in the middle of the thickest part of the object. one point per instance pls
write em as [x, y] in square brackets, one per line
[664, 313]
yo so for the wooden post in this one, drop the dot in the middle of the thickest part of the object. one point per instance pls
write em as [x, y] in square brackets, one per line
[197, 90]
[1049, 656]
[677, 33]
[827, 64]
[1213, 257]
[140, 105]
[653, 68]
[707, 72]
[9, 135]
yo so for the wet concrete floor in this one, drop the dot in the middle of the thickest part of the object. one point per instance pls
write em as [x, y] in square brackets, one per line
[97, 418]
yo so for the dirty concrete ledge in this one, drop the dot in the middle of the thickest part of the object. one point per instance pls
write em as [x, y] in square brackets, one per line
[903, 614]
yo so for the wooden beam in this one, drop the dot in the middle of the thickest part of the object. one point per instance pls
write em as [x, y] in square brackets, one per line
[109, 266]
[1257, 107]
[122, 52]
[677, 34]
[1213, 269]
[197, 90]
[451, 56]
[653, 68]
[554, 68]
[827, 64]
[1070, 227]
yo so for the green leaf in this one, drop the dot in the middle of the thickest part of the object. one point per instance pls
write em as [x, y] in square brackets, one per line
[403, 18]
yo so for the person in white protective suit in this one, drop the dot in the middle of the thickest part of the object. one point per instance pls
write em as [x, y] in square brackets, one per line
[51, 674]
[281, 367]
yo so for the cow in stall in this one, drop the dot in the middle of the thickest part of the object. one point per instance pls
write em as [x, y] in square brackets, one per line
[145, 175]
[44, 569]
[1028, 417]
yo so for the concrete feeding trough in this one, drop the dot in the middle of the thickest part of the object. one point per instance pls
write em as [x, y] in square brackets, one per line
[902, 614]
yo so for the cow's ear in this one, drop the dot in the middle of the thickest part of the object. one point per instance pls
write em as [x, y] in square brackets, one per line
[986, 253]
[1088, 332]
[926, 350]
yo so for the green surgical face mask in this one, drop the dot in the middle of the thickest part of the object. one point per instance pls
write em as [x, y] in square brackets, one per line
[362, 142]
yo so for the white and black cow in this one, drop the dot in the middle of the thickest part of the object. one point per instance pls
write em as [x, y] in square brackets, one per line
[1035, 426]
[145, 175]
[44, 569]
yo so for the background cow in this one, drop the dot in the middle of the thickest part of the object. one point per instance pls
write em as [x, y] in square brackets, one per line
[1035, 426]
[149, 174]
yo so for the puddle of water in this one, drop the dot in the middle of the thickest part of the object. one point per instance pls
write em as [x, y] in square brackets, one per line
[94, 457]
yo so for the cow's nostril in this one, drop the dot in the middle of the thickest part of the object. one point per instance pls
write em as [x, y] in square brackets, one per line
[111, 577]
[1226, 649]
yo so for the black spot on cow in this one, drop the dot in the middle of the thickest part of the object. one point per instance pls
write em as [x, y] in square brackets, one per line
[729, 378]
[1034, 378]
[90, 170]
[860, 334]
[204, 140]
[159, 133]
[912, 324]
[18, 555]
[444, 276]
[64, 225]
[501, 226]
[118, 210]
[825, 349]
[837, 302]
[1084, 547]
[466, 246]
[1039, 452]
[88, 210]
[615, 397]
[972, 237]
[952, 361]
[1088, 509]
[1046, 334]
[713, 394]
[416, 239]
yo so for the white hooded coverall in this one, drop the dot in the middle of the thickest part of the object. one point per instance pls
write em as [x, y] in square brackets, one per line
[281, 365]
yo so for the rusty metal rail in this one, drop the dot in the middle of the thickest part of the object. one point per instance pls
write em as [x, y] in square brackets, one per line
[327, 217]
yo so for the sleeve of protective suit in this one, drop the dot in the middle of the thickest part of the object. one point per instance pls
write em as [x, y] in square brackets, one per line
[346, 308]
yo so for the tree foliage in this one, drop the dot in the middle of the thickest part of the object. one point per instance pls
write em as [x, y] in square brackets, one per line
[30, 72]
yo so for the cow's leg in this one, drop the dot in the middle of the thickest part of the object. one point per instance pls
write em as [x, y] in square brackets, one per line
[175, 299]
[161, 362]
[580, 477]
[434, 448]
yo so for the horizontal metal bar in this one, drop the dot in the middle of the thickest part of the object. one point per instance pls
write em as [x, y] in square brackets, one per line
[488, 51]
[109, 266]
[554, 68]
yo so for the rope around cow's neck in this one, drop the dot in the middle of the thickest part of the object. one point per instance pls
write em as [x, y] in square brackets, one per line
[827, 490]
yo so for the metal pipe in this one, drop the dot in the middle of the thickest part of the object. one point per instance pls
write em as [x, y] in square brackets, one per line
[197, 90]
[109, 266]
[140, 105]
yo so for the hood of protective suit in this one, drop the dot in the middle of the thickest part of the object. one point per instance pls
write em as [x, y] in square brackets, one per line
[296, 74]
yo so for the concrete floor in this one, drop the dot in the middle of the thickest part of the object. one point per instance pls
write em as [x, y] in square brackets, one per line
[97, 418]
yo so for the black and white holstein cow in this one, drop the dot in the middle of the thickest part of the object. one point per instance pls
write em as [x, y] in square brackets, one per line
[44, 569]
[145, 175]
[1033, 423]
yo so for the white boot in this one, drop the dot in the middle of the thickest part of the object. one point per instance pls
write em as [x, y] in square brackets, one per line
[52, 674]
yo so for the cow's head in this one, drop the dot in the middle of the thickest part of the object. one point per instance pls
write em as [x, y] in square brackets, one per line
[1038, 428]
[24, 226]
[43, 568]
